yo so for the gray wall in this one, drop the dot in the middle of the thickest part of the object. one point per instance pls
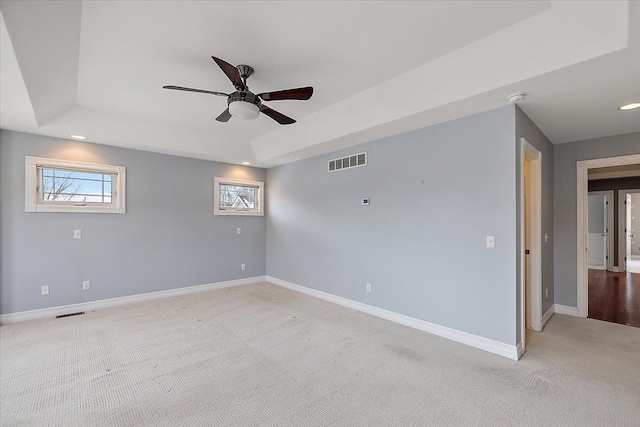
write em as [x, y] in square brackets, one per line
[436, 193]
[564, 176]
[526, 128]
[596, 213]
[169, 237]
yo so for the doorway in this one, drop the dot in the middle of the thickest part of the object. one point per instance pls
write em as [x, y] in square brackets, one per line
[614, 293]
[610, 293]
[530, 238]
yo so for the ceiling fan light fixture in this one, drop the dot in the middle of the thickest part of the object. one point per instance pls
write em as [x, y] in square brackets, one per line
[629, 107]
[244, 110]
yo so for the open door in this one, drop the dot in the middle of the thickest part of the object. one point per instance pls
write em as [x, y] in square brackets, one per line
[600, 248]
[597, 235]
[608, 201]
[531, 239]
[527, 242]
[633, 232]
[628, 231]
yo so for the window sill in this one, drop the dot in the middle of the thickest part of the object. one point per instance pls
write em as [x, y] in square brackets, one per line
[238, 213]
[75, 209]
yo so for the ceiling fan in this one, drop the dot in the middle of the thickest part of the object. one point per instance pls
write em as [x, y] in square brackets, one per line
[243, 103]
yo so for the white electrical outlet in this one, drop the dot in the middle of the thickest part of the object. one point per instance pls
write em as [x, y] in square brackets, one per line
[546, 237]
[77, 234]
[368, 287]
[242, 267]
[238, 230]
[86, 285]
[546, 292]
[491, 241]
[44, 290]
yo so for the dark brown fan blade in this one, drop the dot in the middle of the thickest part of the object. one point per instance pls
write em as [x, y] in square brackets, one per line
[231, 72]
[188, 89]
[278, 117]
[302, 93]
[225, 116]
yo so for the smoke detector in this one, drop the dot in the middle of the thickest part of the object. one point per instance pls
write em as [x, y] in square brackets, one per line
[516, 97]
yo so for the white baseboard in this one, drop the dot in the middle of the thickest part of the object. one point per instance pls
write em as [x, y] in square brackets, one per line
[635, 257]
[547, 316]
[595, 267]
[502, 349]
[565, 309]
[23, 316]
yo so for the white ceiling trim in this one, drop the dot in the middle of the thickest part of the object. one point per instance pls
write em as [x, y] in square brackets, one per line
[577, 31]
[15, 104]
[46, 38]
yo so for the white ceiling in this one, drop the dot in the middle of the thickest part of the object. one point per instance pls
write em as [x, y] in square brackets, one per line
[97, 68]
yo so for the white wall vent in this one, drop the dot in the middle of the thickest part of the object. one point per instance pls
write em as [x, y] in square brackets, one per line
[348, 162]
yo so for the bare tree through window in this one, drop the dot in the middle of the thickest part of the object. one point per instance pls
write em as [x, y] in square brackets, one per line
[238, 197]
[59, 186]
[76, 186]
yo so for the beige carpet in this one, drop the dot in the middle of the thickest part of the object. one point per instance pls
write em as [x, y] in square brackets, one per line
[264, 355]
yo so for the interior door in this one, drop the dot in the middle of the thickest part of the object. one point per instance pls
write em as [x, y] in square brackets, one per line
[605, 227]
[527, 240]
[597, 235]
[628, 231]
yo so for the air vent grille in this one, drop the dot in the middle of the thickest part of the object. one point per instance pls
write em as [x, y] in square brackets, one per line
[348, 162]
[70, 314]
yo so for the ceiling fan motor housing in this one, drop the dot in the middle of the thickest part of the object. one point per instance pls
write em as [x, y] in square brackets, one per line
[245, 71]
[244, 105]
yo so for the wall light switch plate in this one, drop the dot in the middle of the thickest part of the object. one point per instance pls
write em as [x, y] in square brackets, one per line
[491, 241]
[77, 234]
[546, 237]
[238, 230]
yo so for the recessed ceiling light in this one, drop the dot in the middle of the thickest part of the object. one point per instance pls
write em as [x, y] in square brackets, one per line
[631, 106]
[246, 163]
[80, 137]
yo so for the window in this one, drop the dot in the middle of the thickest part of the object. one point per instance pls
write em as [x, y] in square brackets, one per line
[65, 186]
[237, 197]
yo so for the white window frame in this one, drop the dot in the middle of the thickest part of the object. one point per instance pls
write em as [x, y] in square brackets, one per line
[257, 211]
[34, 203]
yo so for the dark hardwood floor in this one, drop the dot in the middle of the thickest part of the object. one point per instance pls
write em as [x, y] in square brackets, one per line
[614, 297]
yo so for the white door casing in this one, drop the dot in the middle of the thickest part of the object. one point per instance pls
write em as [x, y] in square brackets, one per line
[582, 176]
